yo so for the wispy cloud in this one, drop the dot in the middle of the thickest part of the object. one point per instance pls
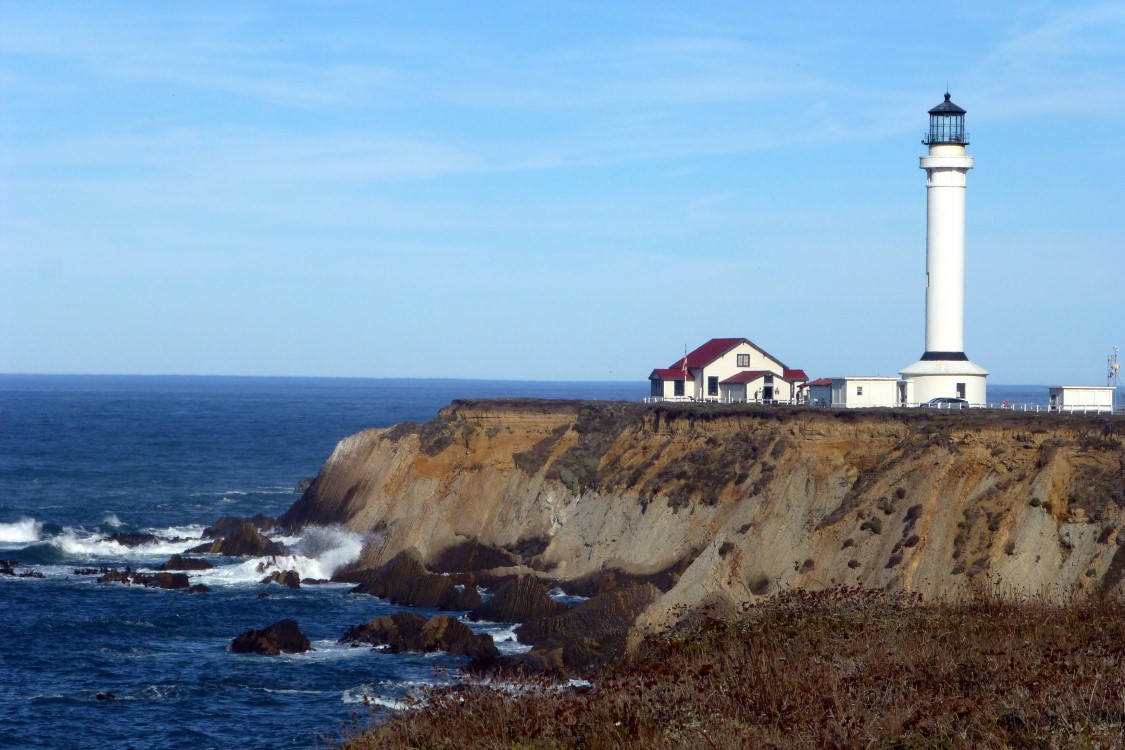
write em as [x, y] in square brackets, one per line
[1069, 63]
[199, 51]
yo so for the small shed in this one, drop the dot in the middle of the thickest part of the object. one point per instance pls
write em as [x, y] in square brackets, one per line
[819, 392]
[1082, 398]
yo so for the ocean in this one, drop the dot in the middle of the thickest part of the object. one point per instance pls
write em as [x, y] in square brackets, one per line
[84, 457]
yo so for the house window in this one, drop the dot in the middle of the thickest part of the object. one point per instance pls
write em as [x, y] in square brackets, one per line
[768, 378]
[657, 388]
[713, 386]
[743, 360]
[678, 389]
[859, 390]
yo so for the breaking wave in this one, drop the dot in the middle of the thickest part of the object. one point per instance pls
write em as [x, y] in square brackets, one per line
[317, 553]
[21, 532]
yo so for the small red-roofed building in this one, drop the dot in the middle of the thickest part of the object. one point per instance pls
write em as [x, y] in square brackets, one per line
[819, 392]
[728, 370]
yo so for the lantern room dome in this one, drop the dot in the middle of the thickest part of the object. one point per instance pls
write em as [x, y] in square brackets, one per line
[947, 108]
[947, 125]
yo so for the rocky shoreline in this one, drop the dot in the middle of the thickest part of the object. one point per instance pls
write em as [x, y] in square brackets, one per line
[649, 514]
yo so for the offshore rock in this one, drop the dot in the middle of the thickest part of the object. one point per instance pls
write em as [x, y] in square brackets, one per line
[245, 541]
[134, 538]
[224, 526]
[148, 580]
[407, 631]
[283, 637]
[518, 600]
[178, 562]
[290, 578]
[718, 506]
[405, 580]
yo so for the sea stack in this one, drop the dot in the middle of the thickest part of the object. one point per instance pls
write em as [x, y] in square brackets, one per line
[944, 369]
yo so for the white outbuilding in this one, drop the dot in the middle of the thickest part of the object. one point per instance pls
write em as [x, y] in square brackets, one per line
[1082, 398]
[856, 391]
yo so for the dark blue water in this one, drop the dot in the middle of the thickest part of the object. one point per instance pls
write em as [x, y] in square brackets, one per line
[83, 457]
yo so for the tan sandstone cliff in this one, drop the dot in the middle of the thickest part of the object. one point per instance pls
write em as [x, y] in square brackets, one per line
[720, 505]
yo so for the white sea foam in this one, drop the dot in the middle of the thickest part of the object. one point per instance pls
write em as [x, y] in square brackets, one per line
[331, 546]
[82, 543]
[568, 599]
[21, 532]
[370, 695]
[112, 521]
[318, 552]
[291, 691]
[503, 635]
[192, 531]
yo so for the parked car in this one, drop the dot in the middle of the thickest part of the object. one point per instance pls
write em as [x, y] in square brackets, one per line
[946, 402]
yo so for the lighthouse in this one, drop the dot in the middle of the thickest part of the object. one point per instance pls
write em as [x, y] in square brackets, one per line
[944, 369]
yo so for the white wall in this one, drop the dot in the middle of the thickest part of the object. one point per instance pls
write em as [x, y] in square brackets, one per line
[1082, 398]
[927, 387]
[857, 392]
[727, 365]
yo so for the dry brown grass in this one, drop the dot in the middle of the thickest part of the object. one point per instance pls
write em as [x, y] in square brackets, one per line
[838, 668]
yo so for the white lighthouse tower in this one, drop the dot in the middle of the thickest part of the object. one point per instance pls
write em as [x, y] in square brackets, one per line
[944, 370]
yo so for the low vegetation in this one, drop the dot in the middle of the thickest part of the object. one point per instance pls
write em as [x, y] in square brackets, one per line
[836, 668]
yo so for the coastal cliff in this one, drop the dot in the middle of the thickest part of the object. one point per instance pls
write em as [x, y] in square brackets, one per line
[718, 506]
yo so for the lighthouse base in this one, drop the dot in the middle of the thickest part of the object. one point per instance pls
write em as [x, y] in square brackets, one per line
[933, 378]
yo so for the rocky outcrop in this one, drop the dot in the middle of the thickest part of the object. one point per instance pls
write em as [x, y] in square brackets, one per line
[134, 538]
[283, 637]
[224, 526]
[405, 580]
[244, 541]
[178, 562]
[520, 599]
[148, 580]
[718, 506]
[8, 568]
[407, 631]
[587, 634]
[289, 578]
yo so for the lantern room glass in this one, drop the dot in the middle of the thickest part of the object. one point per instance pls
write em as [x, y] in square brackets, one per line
[947, 128]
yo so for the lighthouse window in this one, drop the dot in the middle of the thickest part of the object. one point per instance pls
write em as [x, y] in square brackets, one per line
[743, 360]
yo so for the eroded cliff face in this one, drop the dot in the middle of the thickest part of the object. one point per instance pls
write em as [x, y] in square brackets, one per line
[721, 505]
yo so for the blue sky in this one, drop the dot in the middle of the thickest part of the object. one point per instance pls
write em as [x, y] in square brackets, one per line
[550, 190]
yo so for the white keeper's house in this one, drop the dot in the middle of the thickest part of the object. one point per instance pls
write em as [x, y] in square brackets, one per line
[727, 370]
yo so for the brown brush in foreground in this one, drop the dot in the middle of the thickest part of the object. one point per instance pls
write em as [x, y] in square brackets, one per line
[836, 668]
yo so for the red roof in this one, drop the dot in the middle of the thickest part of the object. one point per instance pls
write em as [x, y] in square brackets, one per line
[708, 353]
[672, 373]
[746, 376]
[820, 381]
[796, 375]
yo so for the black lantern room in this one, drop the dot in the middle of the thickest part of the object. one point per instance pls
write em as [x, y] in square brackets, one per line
[947, 124]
